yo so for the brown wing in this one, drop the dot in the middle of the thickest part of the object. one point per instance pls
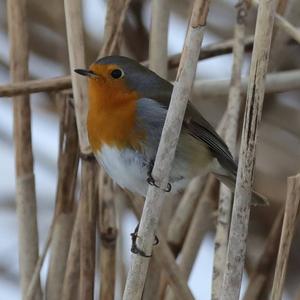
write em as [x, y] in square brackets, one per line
[194, 123]
[200, 129]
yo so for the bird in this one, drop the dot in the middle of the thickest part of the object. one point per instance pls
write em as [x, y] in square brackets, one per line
[127, 107]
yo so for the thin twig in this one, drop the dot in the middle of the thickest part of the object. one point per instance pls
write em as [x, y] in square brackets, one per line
[241, 206]
[288, 228]
[25, 180]
[230, 136]
[166, 150]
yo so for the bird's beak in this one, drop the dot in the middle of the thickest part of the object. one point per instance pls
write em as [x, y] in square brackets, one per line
[87, 73]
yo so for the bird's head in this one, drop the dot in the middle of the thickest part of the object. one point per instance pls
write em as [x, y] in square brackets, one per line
[115, 83]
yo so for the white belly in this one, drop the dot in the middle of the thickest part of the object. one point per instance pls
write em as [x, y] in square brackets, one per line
[129, 169]
[126, 167]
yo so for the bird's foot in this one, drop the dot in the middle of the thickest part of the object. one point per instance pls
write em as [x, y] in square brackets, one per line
[152, 182]
[87, 157]
[134, 248]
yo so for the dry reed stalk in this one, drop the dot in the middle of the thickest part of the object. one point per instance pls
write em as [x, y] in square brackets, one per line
[88, 229]
[115, 17]
[158, 47]
[260, 276]
[34, 284]
[25, 180]
[180, 221]
[288, 228]
[232, 115]
[155, 275]
[275, 83]
[70, 289]
[64, 82]
[200, 223]
[88, 211]
[65, 206]
[108, 237]
[35, 86]
[213, 50]
[241, 207]
[121, 200]
[182, 217]
[166, 150]
[77, 59]
[285, 25]
[163, 255]
[158, 62]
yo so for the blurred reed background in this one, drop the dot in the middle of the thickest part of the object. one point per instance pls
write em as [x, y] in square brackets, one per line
[39, 184]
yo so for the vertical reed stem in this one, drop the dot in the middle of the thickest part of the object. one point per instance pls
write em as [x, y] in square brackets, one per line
[241, 206]
[231, 130]
[65, 206]
[288, 228]
[166, 150]
[25, 181]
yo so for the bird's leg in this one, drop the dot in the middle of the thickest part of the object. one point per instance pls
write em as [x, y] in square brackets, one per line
[88, 157]
[134, 248]
[151, 180]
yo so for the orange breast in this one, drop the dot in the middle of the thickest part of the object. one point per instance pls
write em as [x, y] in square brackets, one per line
[112, 116]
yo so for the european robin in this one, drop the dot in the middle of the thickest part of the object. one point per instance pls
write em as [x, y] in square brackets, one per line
[127, 108]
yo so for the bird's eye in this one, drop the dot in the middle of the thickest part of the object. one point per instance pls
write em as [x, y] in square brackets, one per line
[117, 73]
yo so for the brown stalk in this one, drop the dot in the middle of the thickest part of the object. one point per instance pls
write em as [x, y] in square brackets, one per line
[108, 238]
[241, 206]
[34, 284]
[163, 255]
[115, 17]
[288, 228]
[183, 214]
[88, 211]
[232, 115]
[285, 25]
[158, 62]
[275, 83]
[166, 150]
[158, 44]
[70, 288]
[88, 229]
[65, 206]
[259, 278]
[200, 224]
[64, 82]
[25, 180]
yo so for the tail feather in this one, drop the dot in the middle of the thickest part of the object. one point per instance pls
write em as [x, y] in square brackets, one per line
[257, 198]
